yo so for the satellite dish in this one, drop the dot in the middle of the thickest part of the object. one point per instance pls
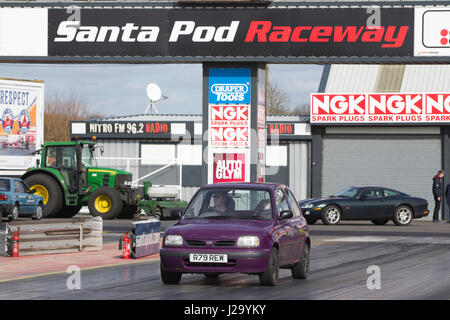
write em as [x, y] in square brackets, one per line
[153, 92]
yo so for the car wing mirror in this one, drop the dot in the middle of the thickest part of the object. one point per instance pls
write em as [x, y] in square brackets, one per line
[32, 191]
[286, 214]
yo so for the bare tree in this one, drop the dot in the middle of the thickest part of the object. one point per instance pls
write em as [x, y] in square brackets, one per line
[301, 109]
[58, 113]
[277, 100]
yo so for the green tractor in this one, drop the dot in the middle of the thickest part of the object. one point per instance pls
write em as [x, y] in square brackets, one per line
[67, 179]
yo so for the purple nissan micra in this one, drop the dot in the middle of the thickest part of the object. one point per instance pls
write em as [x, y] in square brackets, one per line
[253, 228]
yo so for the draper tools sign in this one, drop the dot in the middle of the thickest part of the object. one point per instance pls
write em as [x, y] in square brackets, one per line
[275, 32]
[380, 108]
[21, 105]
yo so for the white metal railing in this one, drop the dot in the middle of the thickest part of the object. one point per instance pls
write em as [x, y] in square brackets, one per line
[136, 181]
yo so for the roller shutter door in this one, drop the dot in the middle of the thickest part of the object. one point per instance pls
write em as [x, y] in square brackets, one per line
[403, 163]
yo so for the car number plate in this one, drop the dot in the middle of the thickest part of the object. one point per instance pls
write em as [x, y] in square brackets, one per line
[208, 257]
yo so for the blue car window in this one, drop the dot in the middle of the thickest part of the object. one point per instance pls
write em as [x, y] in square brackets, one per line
[5, 185]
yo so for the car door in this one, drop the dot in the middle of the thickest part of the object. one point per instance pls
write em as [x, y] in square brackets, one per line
[392, 199]
[284, 230]
[21, 197]
[31, 200]
[372, 204]
[300, 226]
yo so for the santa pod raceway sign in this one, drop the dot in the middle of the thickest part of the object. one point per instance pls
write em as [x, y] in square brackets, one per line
[189, 32]
[380, 108]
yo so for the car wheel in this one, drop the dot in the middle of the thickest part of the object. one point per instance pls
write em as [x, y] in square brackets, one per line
[379, 222]
[331, 215]
[14, 213]
[270, 276]
[301, 269]
[170, 277]
[403, 216]
[38, 213]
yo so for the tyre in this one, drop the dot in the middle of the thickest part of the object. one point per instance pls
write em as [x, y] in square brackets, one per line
[403, 216]
[38, 214]
[128, 212]
[105, 202]
[170, 277]
[311, 221]
[331, 215]
[158, 213]
[379, 222]
[270, 276]
[301, 269]
[48, 188]
[69, 211]
[14, 213]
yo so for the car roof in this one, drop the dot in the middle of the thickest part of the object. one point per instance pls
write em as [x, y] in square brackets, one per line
[255, 185]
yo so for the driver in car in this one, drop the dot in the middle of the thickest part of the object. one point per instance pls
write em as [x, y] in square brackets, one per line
[220, 203]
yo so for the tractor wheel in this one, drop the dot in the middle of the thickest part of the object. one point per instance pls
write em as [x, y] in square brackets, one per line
[105, 202]
[128, 212]
[69, 212]
[47, 188]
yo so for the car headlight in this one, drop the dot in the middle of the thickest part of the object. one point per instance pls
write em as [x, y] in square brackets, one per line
[321, 205]
[248, 242]
[173, 240]
[307, 206]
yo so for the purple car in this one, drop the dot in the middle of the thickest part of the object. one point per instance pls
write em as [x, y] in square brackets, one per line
[253, 228]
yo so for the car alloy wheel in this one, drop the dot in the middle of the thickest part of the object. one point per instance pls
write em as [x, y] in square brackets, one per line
[38, 214]
[332, 215]
[15, 213]
[403, 216]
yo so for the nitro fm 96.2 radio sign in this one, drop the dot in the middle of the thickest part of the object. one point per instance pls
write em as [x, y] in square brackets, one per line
[380, 108]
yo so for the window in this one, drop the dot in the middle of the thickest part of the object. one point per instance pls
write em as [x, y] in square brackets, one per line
[391, 193]
[294, 204]
[281, 201]
[25, 187]
[5, 185]
[372, 193]
[18, 187]
[220, 203]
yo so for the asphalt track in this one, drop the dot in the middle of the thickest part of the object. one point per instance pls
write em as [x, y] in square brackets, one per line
[414, 263]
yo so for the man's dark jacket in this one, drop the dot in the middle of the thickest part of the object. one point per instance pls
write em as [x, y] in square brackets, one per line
[438, 186]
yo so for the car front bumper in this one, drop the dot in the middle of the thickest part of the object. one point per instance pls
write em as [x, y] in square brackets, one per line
[241, 261]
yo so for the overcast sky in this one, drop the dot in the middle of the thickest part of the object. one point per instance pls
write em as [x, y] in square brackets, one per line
[115, 90]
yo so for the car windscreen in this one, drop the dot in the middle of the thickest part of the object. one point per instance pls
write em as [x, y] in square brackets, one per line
[347, 193]
[4, 185]
[230, 204]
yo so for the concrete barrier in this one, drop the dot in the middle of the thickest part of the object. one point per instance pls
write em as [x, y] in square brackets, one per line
[56, 236]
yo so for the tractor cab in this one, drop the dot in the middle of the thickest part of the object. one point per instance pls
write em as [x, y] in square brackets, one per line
[72, 160]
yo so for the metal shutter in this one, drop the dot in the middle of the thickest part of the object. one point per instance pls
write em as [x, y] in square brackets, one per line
[403, 163]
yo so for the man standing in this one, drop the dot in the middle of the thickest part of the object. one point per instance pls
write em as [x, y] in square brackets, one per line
[438, 192]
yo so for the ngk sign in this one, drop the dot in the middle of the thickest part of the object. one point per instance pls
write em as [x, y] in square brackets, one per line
[229, 125]
[380, 108]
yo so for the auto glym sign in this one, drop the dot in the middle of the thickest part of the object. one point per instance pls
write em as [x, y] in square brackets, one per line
[380, 108]
[228, 167]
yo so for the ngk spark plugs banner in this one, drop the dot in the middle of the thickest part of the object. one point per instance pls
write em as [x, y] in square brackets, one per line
[229, 101]
[229, 107]
[196, 33]
[380, 108]
[21, 128]
[432, 32]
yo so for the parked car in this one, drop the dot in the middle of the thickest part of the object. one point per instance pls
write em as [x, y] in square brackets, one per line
[16, 200]
[251, 228]
[377, 204]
